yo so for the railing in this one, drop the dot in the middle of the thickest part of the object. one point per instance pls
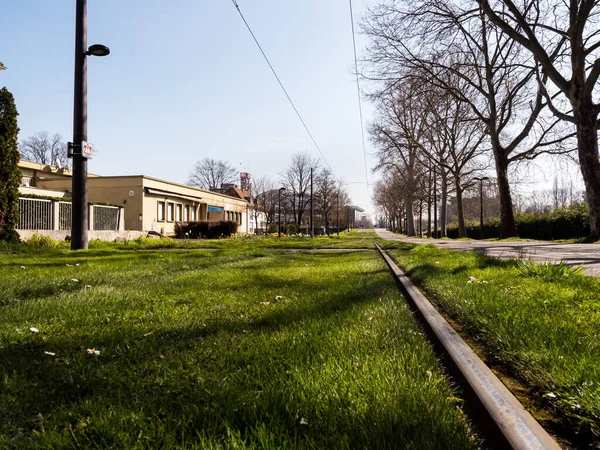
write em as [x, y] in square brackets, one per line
[65, 213]
[35, 214]
[106, 217]
[43, 214]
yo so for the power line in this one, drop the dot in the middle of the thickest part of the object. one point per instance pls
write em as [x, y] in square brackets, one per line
[362, 125]
[283, 87]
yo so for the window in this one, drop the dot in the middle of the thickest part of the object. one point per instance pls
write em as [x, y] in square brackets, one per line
[161, 211]
[170, 207]
[178, 213]
[193, 216]
[186, 213]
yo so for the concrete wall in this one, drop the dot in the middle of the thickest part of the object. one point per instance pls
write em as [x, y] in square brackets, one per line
[115, 190]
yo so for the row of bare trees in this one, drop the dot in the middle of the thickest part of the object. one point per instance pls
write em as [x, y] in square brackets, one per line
[330, 198]
[461, 84]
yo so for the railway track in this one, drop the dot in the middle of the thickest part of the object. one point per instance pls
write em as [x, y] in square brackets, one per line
[500, 417]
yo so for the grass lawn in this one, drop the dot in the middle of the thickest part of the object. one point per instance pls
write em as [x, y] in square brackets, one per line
[352, 239]
[216, 349]
[541, 322]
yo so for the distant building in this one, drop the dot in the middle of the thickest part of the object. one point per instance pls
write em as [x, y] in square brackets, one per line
[147, 204]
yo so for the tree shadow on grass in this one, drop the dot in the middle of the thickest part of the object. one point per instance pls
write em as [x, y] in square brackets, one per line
[193, 378]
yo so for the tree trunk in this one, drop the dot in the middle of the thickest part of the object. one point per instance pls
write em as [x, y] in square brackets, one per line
[587, 146]
[444, 203]
[507, 217]
[410, 216]
[462, 230]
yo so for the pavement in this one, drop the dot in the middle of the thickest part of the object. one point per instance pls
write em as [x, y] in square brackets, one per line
[587, 255]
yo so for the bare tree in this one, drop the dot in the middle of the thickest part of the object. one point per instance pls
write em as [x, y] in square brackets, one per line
[399, 133]
[563, 39]
[264, 196]
[434, 38]
[45, 148]
[210, 174]
[325, 192]
[296, 180]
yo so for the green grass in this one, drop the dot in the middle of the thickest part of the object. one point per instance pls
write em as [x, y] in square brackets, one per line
[352, 239]
[216, 349]
[541, 321]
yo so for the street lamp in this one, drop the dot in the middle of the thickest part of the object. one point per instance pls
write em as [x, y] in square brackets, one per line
[481, 180]
[79, 226]
[279, 211]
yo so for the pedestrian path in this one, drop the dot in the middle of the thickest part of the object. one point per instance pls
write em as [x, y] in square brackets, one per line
[542, 251]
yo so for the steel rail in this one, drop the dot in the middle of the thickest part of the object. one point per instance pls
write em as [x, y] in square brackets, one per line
[500, 416]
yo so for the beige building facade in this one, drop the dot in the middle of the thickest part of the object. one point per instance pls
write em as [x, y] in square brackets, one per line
[156, 205]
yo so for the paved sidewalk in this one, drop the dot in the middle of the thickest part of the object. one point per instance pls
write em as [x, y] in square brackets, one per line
[544, 251]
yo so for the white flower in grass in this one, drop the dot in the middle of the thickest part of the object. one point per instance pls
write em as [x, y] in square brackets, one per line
[50, 353]
[69, 265]
[76, 265]
[278, 297]
[93, 351]
[34, 329]
[472, 280]
[437, 262]
[550, 395]
[265, 303]
[22, 267]
[87, 286]
[303, 421]
[74, 280]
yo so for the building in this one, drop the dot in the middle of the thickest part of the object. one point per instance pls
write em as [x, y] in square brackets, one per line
[147, 204]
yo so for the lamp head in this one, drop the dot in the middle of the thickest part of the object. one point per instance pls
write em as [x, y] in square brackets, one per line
[98, 50]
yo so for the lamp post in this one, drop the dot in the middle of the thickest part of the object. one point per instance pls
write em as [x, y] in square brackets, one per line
[481, 180]
[279, 212]
[337, 214]
[79, 226]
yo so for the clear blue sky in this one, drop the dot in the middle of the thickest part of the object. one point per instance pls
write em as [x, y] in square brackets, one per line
[185, 81]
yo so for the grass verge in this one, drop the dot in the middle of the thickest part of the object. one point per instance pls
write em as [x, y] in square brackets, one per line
[221, 349]
[540, 321]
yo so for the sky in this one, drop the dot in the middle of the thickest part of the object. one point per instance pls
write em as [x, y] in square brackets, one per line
[185, 81]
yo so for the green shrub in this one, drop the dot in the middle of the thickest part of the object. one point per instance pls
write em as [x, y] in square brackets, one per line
[561, 223]
[291, 228]
[42, 241]
[272, 228]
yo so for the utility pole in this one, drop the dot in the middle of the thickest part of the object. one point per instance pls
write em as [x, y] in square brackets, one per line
[435, 232]
[312, 209]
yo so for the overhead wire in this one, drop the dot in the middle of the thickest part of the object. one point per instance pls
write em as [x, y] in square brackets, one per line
[360, 113]
[284, 89]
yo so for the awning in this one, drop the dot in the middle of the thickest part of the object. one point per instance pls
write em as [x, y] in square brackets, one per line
[172, 194]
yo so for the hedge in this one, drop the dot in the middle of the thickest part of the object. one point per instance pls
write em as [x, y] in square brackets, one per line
[561, 223]
[205, 230]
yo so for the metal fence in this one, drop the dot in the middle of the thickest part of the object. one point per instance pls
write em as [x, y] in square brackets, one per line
[35, 214]
[65, 213]
[106, 217]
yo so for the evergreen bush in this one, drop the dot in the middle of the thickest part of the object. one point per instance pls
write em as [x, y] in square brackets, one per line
[10, 175]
